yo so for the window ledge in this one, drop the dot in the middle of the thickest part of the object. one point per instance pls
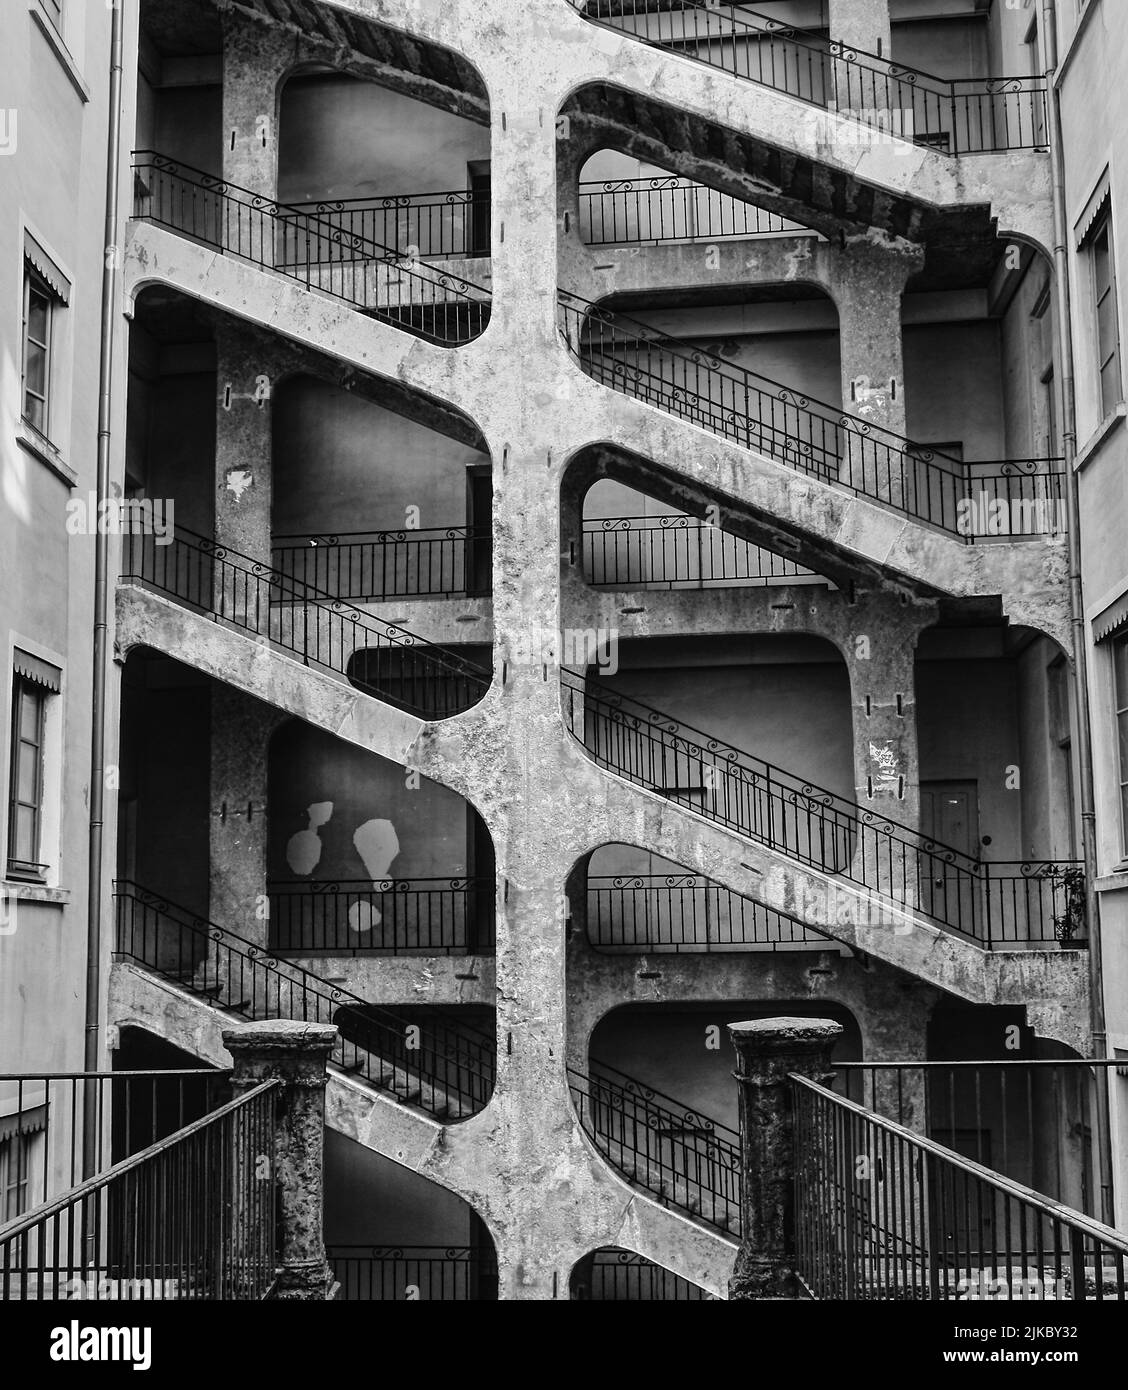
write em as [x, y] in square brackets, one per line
[41, 448]
[54, 38]
[1096, 440]
[25, 892]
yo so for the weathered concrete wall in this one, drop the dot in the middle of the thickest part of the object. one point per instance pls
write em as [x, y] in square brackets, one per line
[545, 1194]
[344, 464]
[342, 138]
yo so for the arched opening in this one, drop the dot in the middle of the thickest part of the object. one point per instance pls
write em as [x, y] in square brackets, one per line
[365, 857]
[391, 1235]
[383, 167]
[614, 1275]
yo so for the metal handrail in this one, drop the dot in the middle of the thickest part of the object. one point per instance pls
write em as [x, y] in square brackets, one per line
[680, 1156]
[193, 1214]
[622, 550]
[790, 813]
[444, 916]
[439, 307]
[394, 563]
[813, 437]
[770, 927]
[221, 581]
[917, 1213]
[423, 211]
[666, 199]
[456, 1062]
[822, 71]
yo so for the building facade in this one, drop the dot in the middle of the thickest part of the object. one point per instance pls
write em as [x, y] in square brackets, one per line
[605, 544]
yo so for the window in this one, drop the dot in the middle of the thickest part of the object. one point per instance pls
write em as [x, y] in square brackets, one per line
[1105, 314]
[37, 308]
[33, 684]
[25, 796]
[1120, 688]
[15, 1170]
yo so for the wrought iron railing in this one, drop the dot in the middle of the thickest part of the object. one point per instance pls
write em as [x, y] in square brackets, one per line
[438, 1273]
[961, 116]
[881, 1213]
[372, 565]
[1013, 499]
[612, 1275]
[379, 658]
[1032, 1120]
[192, 1216]
[669, 208]
[683, 912]
[383, 281]
[63, 1126]
[681, 1157]
[676, 550]
[991, 904]
[432, 225]
[433, 916]
[444, 1066]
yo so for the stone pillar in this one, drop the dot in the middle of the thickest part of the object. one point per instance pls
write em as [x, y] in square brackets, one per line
[861, 25]
[240, 736]
[767, 1052]
[867, 282]
[880, 660]
[256, 56]
[296, 1053]
[245, 371]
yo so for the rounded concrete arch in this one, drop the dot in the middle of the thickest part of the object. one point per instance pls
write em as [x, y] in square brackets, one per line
[364, 857]
[615, 1274]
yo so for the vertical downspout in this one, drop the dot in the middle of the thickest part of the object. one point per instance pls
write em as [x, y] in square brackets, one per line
[95, 887]
[1076, 603]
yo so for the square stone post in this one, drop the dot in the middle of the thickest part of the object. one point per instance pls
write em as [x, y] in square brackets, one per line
[768, 1051]
[297, 1054]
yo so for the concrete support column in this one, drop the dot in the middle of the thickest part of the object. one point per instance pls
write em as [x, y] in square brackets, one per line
[868, 282]
[240, 732]
[255, 58]
[245, 370]
[880, 661]
[862, 25]
[297, 1054]
[768, 1051]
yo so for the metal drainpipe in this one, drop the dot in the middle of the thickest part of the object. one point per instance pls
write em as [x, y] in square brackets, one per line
[91, 1048]
[1063, 295]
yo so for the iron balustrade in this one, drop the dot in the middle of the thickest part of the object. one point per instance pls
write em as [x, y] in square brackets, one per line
[383, 660]
[446, 1068]
[1031, 1120]
[681, 1157]
[382, 281]
[192, 1216]
[669, 208]
[44, 1117]
[881, 1213]
[432, 916]
[435, 1273]
[676, 550]
[683, 912]
[991, 904]
[1012, 499]
[611, 1275]
[433, 225]
[958, 116]
[368, 566]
